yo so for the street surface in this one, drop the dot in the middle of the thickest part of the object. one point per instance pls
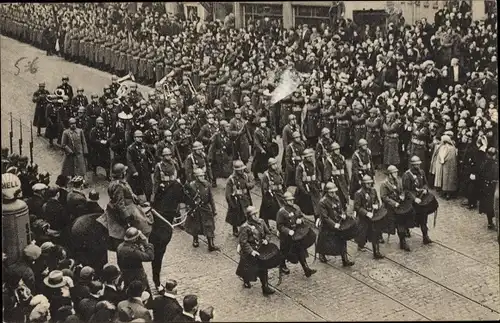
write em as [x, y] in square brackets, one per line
[455, 278]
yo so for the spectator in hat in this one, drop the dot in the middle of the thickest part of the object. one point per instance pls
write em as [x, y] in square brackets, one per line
[40, 311]
[190, 305]
[135, 302]
[444, 167]
[86, 307]
[113, 284]
[92, 205]
[105, 312]
[77, 200]
[55, 214]
[81, 289]
[23, 267]
[35, 202]
[165, 306]
[54, 283]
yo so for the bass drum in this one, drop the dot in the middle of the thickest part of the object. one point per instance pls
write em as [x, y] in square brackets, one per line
[348, 229]
[379, 219]
[428, 205]
[405, 214]
[305, 236]
[273, 150]
[270, 256]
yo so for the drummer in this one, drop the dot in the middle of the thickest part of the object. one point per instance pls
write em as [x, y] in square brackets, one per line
[393, 196]
[253, 234]
[288, 219]
[331, 217]
[415, 185]
[366, 206]
[272, 191]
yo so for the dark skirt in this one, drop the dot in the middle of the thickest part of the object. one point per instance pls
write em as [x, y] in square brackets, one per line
[330, 244]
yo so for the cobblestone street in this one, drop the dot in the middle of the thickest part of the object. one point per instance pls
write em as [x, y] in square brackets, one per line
[455, 278]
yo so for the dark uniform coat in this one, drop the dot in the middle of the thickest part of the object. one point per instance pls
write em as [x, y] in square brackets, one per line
[292, 158]
[262, 140]
[165, 308]
[250, 238]
[412, 182]
[130, 257]
[238, 198]
[99, 144]
[202, 220]
[272, 189]
[286, 220]
[362, 164]
[194, 161]
[336, 172]
[373, 135]
[238, 131]
[308, 190]
[220, 155]
[329, 242]
[40, 98]
[140, 160]
[365, 201]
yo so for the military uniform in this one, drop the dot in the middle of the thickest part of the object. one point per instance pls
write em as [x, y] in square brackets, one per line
[320, 153]
[362, 164]
[336, 172]
[140, 160]
[183, 139]
[80, 100]
[366, 201]
[374, 139]
[93, 111]
[203, 219]
[240, 135]
[220, 155]
[272, 189]
[238, 198]
[307, 194]
[418, 145]
[40, 98]
[358, 125]
[488, 176]
[413, 182]
[292, 158]
[99, 143]
[152, 138]
[193, 161]
[262, 140]
[343, 117]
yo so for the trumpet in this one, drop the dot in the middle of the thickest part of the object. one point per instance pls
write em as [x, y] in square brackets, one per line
[191, 87]
[127, 77]
[59, 92]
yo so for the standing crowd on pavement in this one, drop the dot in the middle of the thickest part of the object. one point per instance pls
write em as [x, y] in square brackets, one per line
[418, 102]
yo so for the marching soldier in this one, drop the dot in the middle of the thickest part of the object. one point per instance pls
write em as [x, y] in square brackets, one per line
[286, 136]
[120, 140]
[68, 89]
[196, 159]
[324, 141]
[182, 139]
[343, 116]
[308, 189]
[336, 172]
[134, 96]
[152, 136]
[166, 170]
[366, 204]
[207, 131]
[362, 165]
[358, 122]
[373, 136]
[331, 216]
[415, 183]
[93, 110]
[419, 142]
[114, 86]
[220, 153]
[262, 139]
[393, 195]
[99, 142]
[167, 142]
[310, 120]
[192, 121]
[287, 219]
[40, 99]
[272, 192]
[141, 116]
[53, 125]
[203, 219]
[241, 137]
[140, 162]
[238, 196]
[488, 176]
[80, 100]
[109, 116]
[292, 157]
[168, 121]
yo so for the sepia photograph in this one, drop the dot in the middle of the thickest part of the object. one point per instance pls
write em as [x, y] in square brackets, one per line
[256, 161]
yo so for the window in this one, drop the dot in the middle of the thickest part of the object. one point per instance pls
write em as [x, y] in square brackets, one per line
[312, 16]
[259, 11]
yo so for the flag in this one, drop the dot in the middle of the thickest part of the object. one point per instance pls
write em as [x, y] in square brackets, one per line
[288, 83]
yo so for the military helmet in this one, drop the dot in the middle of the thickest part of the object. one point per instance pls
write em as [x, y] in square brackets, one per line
[362, 142]
[152, 122]
[182, 121]
[138, 133]
[331, 187]
[392, 169]
[287, 196]
[307, 153]
[271, 161]
[99, 120]
[197, 145]
[223, 123]
[263, 119]
[119, 169]
[79, 89]
[131, 234]
[166, 152]
[198, 172]
[415, 160]
[238, 165]
[292, 117]
[325, 131]
[367, 179]
[237, 111]
[81, 109]
[335, 145]
[296, 134]
[251, 210]
[167, 133]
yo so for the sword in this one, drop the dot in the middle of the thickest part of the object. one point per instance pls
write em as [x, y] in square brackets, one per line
[21, 138]
[31, 146]
[11, 134]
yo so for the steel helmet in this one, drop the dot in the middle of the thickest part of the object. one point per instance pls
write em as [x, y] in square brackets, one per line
[198, 172]
[415, 160]
[166, 152]
[167, 133]
[367, 179]
[292, 117]
[79, 89]
[325, 131]
[152, 122]
[137, 133]
[173, 101]
[287, 196]
[331, 187]
[182, 121]
[262, 120]
[99, 120]
[362, 142]
[210, 116]
[251, 210]
[114, 78]
[238, 165]
[131, 234]
[223, 123]
[335, 146]
[392, 169]
[296, 134]
[237, 111]
[307, 153]
[197, 145]
[119, 169]
[271, 161]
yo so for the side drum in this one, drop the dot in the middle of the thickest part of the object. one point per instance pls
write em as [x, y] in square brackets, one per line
[428, 205]
[305, 236]
[270, 256]
[348, 229]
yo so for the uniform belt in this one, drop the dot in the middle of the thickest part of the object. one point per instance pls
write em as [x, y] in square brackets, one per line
[309, 178]
[359, 126]
[343, 122]
[392, 135]
[366, 166]
[418, 142]
[276, 187]
[296, 109]
[338, 172]
[168, 178]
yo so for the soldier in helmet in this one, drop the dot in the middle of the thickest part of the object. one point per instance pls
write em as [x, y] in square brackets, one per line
[40, 99]
[99, 143]
[311, 117]
[110, 116]
[183, 139]
[134, 96]
[393, 195]
[140, 161]
[207, 132]
[107, 95]
[488, 176]
[419, 142]
[152, 136]
[308, 189]
[358, 122]
[75, 146]
[263, 137]
[165, 172]
[196, 159]
[362, 165]
[167, 142]
[241, 137]
[120, 139]
[324, 141]
[80, 99]
[335, 171]
[273, 187]
[168, 121]
[292, 157]
[366, 206]
[287, 219]
[287, 133]
[68, 89]
[93, 110]
[192, 121]
[203, 219]
[331, 217]
[238, 196]
[220, 153]
[415, 185]
[114, 86]
[141, 116]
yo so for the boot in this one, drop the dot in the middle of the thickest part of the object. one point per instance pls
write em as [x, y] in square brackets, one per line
[426, 239]
[235, 231]
[345, 260]
[247, 284]
[407, 233]
[284, 269]
[211, 245]
[266, 289]
[307, 271]
[196, 242]
[322, 258]
[402, 243]
[214, 183]
[376, 251]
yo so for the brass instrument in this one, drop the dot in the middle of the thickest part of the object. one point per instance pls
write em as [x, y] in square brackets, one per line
[54, 98]
[124, 89]
[191, 87]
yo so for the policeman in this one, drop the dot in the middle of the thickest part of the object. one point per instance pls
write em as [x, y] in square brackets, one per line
[331, 217]
[287, 219]
[140, 161]
[272, 191]
[415, 184]
[292, 157]
[335, 170]
[203, 219]
[488, 176]
[362, 165]
[183, 139]
[366, 203]
[307, 194]
[99, 141]
[196, 159]
[238, 196]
